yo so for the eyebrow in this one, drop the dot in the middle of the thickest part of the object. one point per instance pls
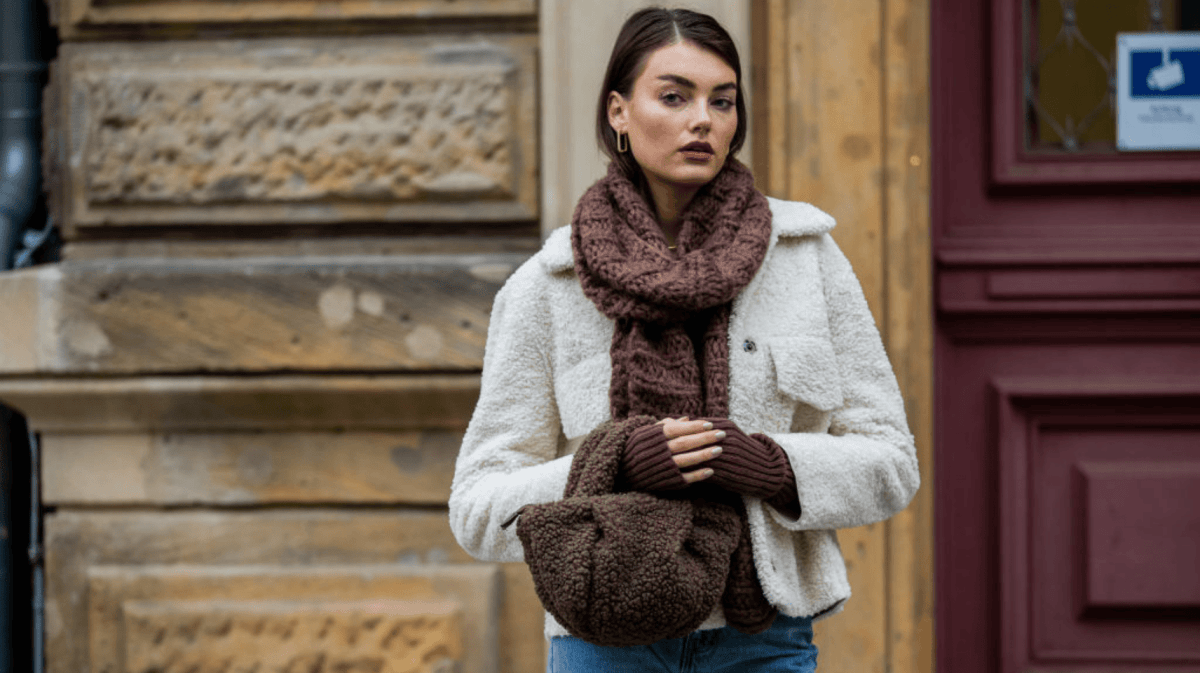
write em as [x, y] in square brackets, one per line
[683, 81]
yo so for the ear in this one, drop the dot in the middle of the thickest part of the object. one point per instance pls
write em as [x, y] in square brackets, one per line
[618, 112]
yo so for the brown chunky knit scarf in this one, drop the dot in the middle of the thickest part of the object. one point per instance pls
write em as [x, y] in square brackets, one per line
[670, 347]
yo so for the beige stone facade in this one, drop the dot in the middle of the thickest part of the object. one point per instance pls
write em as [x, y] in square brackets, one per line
[285, 223]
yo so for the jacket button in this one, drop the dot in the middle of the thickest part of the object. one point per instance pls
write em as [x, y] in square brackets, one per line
[749, 346]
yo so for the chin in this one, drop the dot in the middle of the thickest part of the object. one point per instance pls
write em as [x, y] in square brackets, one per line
[695, 176]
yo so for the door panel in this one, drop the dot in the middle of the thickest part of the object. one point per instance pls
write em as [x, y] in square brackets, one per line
[1067, 385]
[1098, 526]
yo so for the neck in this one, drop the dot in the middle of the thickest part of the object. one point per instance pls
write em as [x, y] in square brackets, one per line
[669, 204]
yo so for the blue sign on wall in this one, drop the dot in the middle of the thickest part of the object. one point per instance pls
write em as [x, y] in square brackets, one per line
[1164, 73]
[1158, 91]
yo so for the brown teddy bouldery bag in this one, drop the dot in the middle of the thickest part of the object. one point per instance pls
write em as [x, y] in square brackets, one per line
[626, 568]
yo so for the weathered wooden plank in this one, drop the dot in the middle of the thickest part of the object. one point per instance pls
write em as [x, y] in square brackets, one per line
[230, 403]
[288, 542]
[263, 314]
[249, 468]
[856, 639]
[294, 132]
[909, 322]
[833, 112]
[78, 19]
[770, 104]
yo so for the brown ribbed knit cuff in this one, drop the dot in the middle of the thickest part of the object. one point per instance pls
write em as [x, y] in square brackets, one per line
[756, 466]
[647, 464]
[747, 465]
[787, 499]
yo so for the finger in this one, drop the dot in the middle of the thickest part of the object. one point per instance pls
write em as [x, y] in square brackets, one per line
[693, 458]
[694, 476]
[696, 441]
[679, 428]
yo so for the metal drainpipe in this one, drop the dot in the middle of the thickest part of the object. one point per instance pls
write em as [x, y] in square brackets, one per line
[35, 552]
[7, 577]
[20, 111]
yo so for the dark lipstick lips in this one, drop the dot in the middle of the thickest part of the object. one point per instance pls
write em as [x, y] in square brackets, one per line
[697, 147]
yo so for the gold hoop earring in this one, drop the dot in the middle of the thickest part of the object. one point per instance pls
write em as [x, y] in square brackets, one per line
[622, 147]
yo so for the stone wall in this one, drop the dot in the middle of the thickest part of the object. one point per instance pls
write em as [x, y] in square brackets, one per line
[285, 222]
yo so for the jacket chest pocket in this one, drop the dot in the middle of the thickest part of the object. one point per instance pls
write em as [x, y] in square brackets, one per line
[806, 371]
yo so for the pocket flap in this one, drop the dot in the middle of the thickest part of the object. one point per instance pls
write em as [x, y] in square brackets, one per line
[806, 370]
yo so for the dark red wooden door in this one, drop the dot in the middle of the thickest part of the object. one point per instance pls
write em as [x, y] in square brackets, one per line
[1067, 365]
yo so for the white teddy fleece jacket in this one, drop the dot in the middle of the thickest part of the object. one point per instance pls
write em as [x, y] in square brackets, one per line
[806, 367]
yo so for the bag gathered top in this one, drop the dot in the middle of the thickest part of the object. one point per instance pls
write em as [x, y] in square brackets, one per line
[626, 568]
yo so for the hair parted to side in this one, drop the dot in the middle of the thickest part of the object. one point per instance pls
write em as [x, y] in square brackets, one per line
[646, 31]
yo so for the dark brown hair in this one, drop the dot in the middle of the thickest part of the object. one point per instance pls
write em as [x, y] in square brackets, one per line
[646, 31]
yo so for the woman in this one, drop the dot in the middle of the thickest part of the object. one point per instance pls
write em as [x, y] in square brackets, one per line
[719, 336]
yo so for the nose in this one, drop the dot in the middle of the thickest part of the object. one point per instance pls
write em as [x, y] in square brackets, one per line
[702, 118]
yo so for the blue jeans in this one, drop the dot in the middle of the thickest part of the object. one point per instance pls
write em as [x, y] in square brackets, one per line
[786, 646]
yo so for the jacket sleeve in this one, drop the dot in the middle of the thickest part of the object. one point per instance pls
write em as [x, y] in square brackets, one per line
[864, 469]
[507, 459]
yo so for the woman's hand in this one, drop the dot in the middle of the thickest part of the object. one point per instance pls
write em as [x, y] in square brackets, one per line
[692, 443]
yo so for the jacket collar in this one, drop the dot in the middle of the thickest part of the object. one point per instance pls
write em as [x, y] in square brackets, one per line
[789, 219]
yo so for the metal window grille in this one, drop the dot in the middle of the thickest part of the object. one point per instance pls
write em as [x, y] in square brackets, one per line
[1090, 60]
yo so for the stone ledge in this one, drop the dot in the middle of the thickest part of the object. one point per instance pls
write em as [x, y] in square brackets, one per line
[228, 403]
[383, 314]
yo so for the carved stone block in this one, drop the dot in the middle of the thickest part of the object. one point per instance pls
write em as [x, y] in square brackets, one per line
[77, 18]
[313, 131]
[180, 619]
[96, 562]
[344, 636]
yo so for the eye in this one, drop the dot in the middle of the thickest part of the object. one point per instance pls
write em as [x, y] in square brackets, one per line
[724, 104]
[672, 98]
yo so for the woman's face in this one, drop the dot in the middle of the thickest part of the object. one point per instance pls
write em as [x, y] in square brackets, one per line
[680, 117]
